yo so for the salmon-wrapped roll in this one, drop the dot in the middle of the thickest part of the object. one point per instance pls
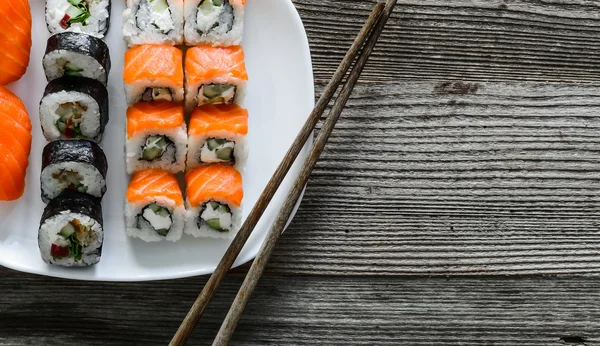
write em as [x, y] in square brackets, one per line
[154, 208]
[217, 134]
[214, 198]
[215, 75]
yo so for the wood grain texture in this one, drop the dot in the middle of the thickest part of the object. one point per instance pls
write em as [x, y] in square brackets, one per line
[308, 311]
[487, 40]
[421, 179]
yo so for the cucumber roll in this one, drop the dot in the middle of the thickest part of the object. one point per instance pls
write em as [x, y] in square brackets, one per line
[74, 107]
[70, 233]
[87, 16]
[78, 165]
[214, 22]
[153, 22]
[76, 55]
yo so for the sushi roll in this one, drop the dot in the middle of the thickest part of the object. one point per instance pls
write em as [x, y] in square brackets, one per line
[15, 145]
[76, 55]
[152, 73]
[153, 21]
[154, 208]
[78, 165]
[214, 198]
[156, 136]
[214, 22]
[217, 134]
[74, 107]
[215, 75]
[87, 16]
[70, 233]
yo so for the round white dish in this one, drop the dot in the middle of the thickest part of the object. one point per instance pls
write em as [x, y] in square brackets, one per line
[280, 97]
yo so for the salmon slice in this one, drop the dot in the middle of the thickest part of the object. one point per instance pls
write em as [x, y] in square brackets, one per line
[221, 117]
[215, 182]
[204, 63]
[15, 39]
[15, 145]
[148, 184]
[154, 62]
[145, 116]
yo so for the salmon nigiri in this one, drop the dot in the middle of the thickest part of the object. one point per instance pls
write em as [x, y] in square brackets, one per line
[215, 75]
[217, 134]
[15, 145]
[154, 207]
[214, 198]
[15, 42]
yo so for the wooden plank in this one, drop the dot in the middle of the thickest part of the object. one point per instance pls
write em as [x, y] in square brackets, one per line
[307, 311]
[487, 40]
[454, 179]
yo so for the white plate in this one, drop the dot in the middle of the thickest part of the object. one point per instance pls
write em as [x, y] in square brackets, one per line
[280, 97]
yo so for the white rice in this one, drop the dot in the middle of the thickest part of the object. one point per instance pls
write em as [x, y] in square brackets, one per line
[134, 35]
[191, 223]
[91, 67]
[146, 233]
[191, 90]
[95, 25]
[135, 91]
[133, 149]
[48, 233]
[195, 144]
[92, 178]
[212, 37]
[90, 125]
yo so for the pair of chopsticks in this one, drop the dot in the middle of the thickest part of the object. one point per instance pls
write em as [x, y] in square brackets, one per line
[366, 39]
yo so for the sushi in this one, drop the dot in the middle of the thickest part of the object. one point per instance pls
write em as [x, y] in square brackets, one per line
[71, 233]
[214, 198]
[152, 73]
[15, 145]
[217, 135]
[153, 22]
[154, 208]
[87, 16]
[76, 55]
[214, 22]
[156, 136]
[74, 107]
[15, 41]
[78, 165]
[215, 75]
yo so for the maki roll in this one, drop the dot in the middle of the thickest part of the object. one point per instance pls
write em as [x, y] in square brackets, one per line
[154, 208]
[217, 134]
[214, 22]
[153, 21]
[152, 73]
[70, 233]
[156, 136]
[74, 107]
[78, 165]
[76, 55]
[214, 197]
[215, 75]
[87, 16]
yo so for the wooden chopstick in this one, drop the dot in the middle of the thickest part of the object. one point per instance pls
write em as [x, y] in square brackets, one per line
[193, 316]
[256, 270]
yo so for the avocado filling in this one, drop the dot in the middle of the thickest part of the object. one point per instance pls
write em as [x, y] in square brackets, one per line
[70, 118]
[71, 240]
[77, 12]
[214, 15]
[72, 180]
[155, 15]
[159, 218]
[69, 68]
[157, 94]
[217, 216]
[216, 93]
[155, 147]
[217, 150]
